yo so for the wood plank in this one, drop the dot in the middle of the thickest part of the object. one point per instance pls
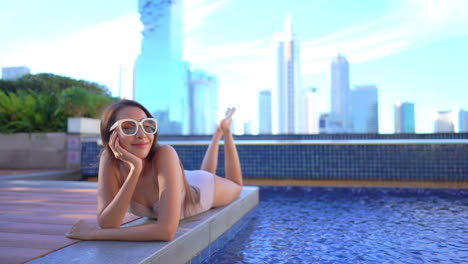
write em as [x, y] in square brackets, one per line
[12, 255]
[33, 221]
[45, 204]
[36, 241]
[34, 228]
[40, 190]
[56, 218]
[52, 197]
[69, 210]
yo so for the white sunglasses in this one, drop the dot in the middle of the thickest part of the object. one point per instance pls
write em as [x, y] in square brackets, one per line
[129, 127]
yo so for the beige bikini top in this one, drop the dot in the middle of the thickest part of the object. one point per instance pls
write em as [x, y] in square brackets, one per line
[139, 209]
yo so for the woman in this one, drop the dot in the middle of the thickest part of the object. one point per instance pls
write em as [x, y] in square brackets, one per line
[139, 175]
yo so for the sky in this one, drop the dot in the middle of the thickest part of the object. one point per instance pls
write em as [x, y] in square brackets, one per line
[412, 50]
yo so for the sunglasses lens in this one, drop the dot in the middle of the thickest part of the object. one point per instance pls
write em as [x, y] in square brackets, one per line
[150, 126]
[128, 127]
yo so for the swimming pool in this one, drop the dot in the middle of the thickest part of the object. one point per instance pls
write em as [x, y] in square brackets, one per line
[353, 225]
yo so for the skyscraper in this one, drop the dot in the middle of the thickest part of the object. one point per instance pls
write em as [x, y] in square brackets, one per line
[310, 113]
[161, 76]
[203, 94]
[248, 127]
[264, 112]
[340, 116]
[14, 73]
[465, 122]
[286, 96]
[404, 117]
[365, 111]
[450, 121]
[324, 123]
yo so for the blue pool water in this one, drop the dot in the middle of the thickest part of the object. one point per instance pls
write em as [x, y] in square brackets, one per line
[353, 225]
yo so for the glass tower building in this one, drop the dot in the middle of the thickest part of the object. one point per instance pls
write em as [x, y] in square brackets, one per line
[454, 121]
[203, 94]
[161, 75]
[340, 116]
[287, 49]
[365, 109]
[264, 112]
[310, 112]
[14, 73]
[404, 117]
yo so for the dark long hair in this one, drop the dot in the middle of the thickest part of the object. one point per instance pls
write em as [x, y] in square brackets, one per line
[192, 196]
[109, 118]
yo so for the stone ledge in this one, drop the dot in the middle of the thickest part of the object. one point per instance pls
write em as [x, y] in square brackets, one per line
[194, 234]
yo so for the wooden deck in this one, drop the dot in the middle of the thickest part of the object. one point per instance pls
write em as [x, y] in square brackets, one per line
[33, 220]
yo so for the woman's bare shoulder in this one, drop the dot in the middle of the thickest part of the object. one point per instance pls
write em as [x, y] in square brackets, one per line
[164, 154]
[106, 164]
[104, 159]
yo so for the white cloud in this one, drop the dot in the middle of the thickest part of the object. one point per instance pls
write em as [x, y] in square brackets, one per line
[92, 53]
[197, 11]
[202, 54]
[416, 23]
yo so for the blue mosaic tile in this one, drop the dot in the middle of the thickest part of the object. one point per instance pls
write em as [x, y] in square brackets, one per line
[90, 158]
[219, 244]
[389, 162]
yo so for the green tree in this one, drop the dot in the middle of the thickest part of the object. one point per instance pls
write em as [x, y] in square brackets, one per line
[25, 111]
[75, 102]
[51, 83]
[43, 102]
[78, 102]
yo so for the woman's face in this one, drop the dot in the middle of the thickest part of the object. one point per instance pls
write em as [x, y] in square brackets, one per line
[140, 143]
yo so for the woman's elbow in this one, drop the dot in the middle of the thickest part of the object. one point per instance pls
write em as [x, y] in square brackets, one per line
[237, 192]
[168, 235]
[103, 224]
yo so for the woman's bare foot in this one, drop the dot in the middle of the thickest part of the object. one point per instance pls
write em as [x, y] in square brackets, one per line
[225, 123]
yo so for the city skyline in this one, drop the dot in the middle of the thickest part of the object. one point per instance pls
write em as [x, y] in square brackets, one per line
[412, 50]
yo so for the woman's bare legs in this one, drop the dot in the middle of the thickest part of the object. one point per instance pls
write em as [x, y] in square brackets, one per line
[229, 188]
[210, 160]
[231, 158]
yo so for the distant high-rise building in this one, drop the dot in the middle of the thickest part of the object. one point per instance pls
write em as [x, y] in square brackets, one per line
[161, 76]
[164, 121]
[451, 121]
[203, 94]
[340, 116]
[14, 73]
[310, 112]
[365, 111]
[286, 96]
[404, 117]
[264, 112]
[465, 122]
[127, 81]
[248, 128]
[324, 123]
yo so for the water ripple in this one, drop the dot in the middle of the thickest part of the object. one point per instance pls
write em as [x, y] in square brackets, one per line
[353, 225]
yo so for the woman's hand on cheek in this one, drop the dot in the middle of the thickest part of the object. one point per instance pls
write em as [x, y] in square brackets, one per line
[112, 142]
[124, 155]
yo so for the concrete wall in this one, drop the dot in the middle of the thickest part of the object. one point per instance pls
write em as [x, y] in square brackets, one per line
[47, 150]
[33, 151]
[81, 125]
